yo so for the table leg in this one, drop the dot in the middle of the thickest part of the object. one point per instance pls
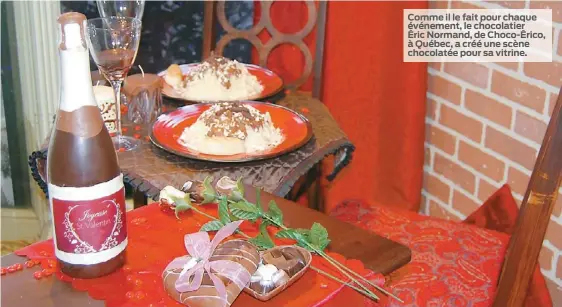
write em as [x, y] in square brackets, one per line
[311, 185]
[139, 199]
[314, 193]
[299, 188]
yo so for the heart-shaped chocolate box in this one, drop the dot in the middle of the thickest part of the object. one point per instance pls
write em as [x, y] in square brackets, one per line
[292, 259]
[240, 251]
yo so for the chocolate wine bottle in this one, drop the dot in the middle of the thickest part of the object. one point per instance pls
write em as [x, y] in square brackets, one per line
[86, 191]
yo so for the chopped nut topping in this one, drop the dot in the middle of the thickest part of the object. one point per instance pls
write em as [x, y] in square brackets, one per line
[221, 67]
[230, 119]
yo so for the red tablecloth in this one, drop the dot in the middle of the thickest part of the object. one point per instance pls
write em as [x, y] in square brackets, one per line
[156, 238]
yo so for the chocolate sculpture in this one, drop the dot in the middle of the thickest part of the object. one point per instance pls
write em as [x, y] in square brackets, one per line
[212, 274]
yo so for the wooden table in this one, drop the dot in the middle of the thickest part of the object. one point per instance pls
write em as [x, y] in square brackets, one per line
[377, 253]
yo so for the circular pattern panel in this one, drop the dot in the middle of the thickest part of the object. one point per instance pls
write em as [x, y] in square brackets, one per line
[277, 37]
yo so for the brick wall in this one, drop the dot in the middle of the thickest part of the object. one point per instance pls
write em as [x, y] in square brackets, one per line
[485, 123]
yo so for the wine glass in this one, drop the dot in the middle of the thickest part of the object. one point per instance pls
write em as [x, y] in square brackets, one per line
[113, 43]
[133, 9]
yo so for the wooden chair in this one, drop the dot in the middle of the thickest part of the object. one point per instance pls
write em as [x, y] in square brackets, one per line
[514, 263]
[532, 221]
[215, 11]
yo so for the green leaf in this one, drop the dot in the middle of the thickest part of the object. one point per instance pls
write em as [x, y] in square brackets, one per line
[275, 213]
[224, 216]
[208, 198]
[318, 236]
[240, 186]
[258, 199]
[207, 182]
[209, 194]
[212, 226]
[291, 234]
[308, 247]
[181, 204]
[305, 232]
[245, 206]
[233, 217]
[303, 237]
[266, 223]
[264, 232]
[263, 240]
[237, 193]
[261, 243]
[244, 210]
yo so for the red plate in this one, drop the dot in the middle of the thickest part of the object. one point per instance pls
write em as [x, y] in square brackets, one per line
[168, 128]
[272, 83]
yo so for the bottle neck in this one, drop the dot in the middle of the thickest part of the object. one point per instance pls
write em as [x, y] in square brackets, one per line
[76, 79]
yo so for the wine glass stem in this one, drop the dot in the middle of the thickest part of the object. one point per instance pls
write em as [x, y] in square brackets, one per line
[116, 84]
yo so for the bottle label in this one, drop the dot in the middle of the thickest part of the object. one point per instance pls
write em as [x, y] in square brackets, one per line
[89, 223]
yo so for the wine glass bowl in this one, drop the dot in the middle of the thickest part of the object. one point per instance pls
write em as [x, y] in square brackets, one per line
[118, 8]
[113, 43]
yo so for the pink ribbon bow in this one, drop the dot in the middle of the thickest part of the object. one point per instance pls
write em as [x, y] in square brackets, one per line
[201, 248]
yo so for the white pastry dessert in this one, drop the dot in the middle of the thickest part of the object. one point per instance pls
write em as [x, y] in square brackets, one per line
[215, 79]
[229, 128]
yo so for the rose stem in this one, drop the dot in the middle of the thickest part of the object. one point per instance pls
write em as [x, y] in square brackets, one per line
[340, 281]
[366, 280]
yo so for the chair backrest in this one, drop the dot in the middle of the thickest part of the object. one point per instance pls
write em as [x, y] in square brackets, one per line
[215, 10]
[534, 216]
